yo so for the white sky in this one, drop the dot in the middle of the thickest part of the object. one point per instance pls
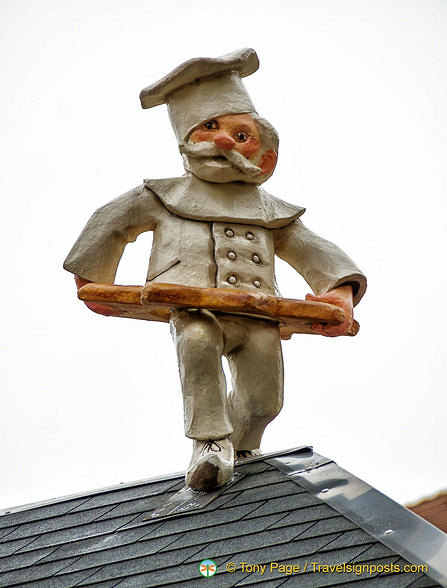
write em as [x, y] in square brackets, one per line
[358, 92]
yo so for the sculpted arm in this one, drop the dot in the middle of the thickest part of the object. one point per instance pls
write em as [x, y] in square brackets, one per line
[332, 275]
[97, 252]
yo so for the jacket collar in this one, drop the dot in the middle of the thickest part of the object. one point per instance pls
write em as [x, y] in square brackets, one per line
[196, 199]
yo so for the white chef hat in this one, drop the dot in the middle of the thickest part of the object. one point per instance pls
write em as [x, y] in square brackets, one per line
[202, 89]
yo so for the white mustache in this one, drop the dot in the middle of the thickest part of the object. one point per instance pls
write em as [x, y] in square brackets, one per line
[206, 150]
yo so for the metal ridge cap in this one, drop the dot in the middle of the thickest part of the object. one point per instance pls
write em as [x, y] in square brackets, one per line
[121, 486]
[301, 450]
[87, 493]
[389, 522]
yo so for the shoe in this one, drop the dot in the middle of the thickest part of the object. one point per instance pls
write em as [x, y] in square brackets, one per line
[246, 453]
[212, 464]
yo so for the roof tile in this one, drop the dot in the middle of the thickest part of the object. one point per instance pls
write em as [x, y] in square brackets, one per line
[71, 534]
[102, 540]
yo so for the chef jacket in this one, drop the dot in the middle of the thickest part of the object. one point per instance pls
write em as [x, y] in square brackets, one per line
[211, 235]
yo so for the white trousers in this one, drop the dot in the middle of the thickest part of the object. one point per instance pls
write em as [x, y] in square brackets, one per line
[253, 349]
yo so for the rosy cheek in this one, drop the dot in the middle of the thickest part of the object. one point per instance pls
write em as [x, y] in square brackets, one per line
[200, 135]
[249, 148]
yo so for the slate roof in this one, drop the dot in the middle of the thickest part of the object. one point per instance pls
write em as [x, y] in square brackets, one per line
[286, 508]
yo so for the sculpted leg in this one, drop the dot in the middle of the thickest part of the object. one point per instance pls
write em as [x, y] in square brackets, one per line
[199, 342]
[258, 384]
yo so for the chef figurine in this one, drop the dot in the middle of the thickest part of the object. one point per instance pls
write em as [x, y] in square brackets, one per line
[215, 227]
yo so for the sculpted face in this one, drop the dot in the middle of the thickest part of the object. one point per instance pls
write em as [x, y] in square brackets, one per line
[233, 131]
[227, 149]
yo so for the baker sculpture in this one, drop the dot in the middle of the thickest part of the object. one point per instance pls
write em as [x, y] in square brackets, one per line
[215, 227]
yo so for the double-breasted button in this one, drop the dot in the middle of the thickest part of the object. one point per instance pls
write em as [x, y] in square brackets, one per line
[256, 258]
[257, 283]
[232, 280]
[249, 235]
[231, 255]
[229, 232]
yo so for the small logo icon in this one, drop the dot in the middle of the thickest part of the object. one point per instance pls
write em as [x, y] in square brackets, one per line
[207, 568]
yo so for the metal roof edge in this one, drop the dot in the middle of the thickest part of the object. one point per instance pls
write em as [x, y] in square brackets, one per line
[392, 524]
[304, 449]
[121, 486]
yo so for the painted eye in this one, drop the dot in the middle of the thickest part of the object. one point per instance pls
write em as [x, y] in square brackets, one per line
[211, 124]
[241, 136]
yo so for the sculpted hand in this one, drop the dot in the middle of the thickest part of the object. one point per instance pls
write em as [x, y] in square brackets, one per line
[98, 308]
[341, 297]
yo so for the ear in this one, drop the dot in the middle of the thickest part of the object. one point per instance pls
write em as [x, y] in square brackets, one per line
[268, 162]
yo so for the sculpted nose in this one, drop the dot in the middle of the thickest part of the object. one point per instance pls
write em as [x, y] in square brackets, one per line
[224, 141]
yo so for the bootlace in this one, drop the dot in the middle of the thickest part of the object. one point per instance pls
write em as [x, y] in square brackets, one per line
[209, 446]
